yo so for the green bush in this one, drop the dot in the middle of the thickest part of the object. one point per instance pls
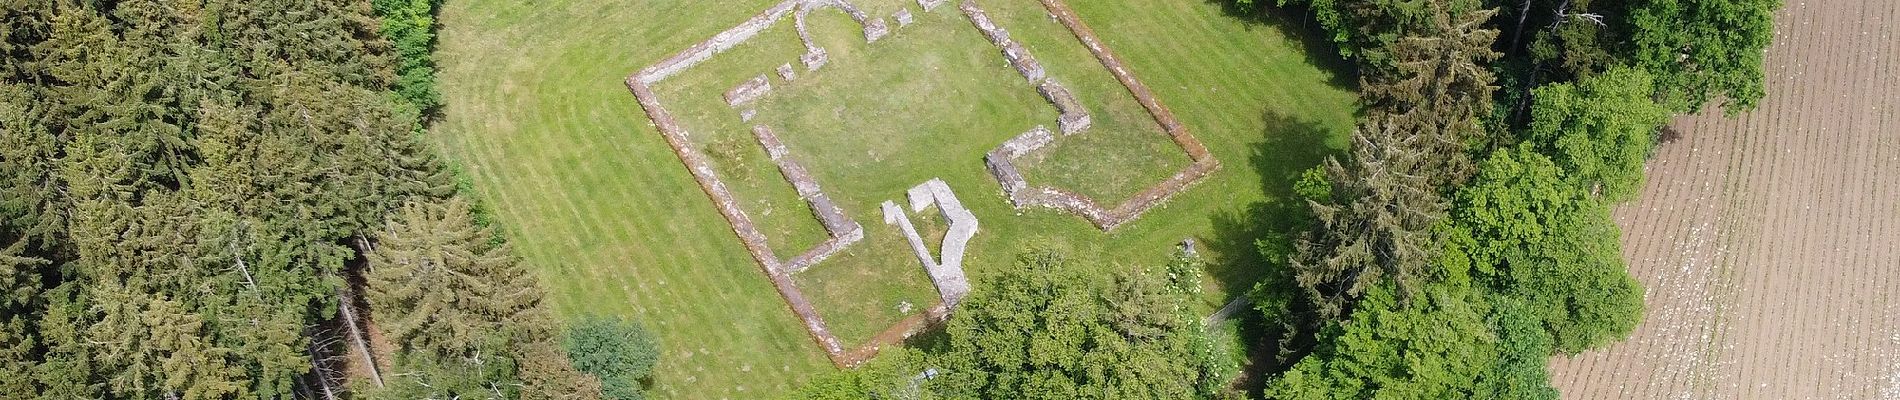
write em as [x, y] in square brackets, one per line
[618, 351]
[410, 27]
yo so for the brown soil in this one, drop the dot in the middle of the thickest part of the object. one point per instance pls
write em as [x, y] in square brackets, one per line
[1768, 241]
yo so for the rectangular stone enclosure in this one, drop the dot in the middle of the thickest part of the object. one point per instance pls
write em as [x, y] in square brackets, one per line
[841, 231]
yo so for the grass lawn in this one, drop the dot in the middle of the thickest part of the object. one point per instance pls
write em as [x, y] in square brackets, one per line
[596, 203]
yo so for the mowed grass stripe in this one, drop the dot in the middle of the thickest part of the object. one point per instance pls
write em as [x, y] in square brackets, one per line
[582, 213]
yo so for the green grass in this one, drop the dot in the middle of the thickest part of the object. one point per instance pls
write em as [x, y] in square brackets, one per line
[595, 202]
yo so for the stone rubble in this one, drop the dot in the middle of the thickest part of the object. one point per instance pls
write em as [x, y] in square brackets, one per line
[751, 89]
[786, 72]
[903, 17]
[874, 30]
[814, 58]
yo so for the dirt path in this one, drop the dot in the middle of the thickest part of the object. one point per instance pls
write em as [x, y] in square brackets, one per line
[1770, 242]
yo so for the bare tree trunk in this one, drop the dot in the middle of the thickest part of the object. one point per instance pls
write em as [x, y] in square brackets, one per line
[239, 258]
[346, 305]
[321, 373]
[1524, 98]
[1523, 13]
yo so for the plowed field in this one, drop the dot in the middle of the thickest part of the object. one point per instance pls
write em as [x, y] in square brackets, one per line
[1768, 241]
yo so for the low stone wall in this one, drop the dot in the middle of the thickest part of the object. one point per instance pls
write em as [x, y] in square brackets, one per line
[1196, 151]
[1027, 142]
[746, 92]
[824, 250]
[997, 34]
[1013, 52]
[1073, 119]
[717, 44]
[843, 230]
[897, 333]
[1001, 160]
[701, 168]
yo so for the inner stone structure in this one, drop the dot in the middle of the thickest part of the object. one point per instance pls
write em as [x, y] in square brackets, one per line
[945, 269]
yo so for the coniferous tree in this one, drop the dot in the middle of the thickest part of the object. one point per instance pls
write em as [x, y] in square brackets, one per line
[436, 282]
[195, 174]
[1387, 197]
[448, 296]
[1380, 228]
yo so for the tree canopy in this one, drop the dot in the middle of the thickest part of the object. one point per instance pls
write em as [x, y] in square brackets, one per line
[186, 188]
[1599, 129]
[1702, 49]
[618, 351]
[1424, 284]
[1045, 330]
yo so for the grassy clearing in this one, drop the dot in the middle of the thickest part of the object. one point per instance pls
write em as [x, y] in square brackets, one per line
[595, 202]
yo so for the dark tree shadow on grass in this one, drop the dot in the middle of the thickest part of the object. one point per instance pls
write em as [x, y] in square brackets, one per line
[933, 339]
[1290, 147]
[1295, 22]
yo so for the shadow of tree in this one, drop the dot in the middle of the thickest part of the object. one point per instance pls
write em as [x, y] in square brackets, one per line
[1295, 22]
[1668, 134]
[1290, 147]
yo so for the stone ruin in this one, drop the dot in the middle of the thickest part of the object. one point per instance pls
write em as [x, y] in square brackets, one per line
[836, 223]
[719, 43]
[751, 89]
[903, 17]
[1001, 160]
[874, 29]
[814, 59]
[786, 72]
[1072, 118]
[1075, 119]
[841, 230]
[945, 269]
[997, 34]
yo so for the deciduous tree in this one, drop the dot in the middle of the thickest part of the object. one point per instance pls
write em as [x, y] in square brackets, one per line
[1599, 130]
[1533, 236]
[1701, 50]
[1046, 331]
